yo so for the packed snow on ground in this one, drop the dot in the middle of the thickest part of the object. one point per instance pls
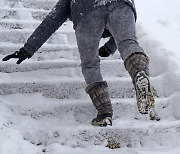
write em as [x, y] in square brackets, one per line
[158, 29]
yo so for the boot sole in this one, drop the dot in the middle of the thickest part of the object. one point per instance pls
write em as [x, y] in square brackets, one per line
[145, 98]
[105, 122]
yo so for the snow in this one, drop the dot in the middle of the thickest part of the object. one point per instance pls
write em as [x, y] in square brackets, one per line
[33, 120]
[160, 18]
[102, 2]
[159, 21]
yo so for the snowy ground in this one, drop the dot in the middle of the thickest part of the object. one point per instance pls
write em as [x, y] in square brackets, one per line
[44, 123]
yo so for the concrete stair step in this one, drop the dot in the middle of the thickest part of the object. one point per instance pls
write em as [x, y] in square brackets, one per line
[63, 87]
[67, 122]
[14, 24]
[38, 4]
[46, 52]
[134, 135]
[6, 24]
[20, 36]
[60, 67]
[66, 87]
[79, 111]
[22, 14]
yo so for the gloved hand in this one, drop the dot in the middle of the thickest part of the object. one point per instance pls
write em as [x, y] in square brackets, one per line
[104, 51]
[22, 54]
[106, 33]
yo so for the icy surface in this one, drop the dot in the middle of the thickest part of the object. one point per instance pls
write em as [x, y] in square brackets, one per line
[44, 108]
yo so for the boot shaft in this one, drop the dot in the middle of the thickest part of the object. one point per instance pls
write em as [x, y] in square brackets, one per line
[135, 63]
[99, 95]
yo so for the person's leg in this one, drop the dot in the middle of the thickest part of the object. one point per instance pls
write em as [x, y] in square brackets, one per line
[88, 34]
[121, 23]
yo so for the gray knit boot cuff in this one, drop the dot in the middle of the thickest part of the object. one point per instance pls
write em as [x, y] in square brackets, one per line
[99, 95]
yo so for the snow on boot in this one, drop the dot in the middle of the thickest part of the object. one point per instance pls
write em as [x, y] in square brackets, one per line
[153, 115]
[99, 95]
[144, 96]
[137, 66]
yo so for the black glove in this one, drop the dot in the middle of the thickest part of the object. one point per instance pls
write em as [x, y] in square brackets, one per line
[104, 51]
[22, 54]
[106, 33]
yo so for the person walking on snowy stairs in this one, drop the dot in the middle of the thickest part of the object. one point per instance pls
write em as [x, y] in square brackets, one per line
[90, 19]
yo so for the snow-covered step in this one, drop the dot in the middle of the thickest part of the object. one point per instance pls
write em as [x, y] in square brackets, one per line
[61, 87]
[46, 52]
[127, 132]
[38, 4]
[64, 87]
[80, 111]
[30, 65]
[9, 24]
[20, 36]
[44, 121]
[60, 67]
[18, 24]
[36, 106]
[31, 121]
[50, 52]
[130, 133]
[101, 149]
[22, 14]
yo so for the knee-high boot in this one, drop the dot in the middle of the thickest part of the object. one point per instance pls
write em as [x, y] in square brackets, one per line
[137, 66]
[99, 95]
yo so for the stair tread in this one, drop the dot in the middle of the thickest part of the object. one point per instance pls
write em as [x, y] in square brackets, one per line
[43, 77]
[44, 98]
[35, 104]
